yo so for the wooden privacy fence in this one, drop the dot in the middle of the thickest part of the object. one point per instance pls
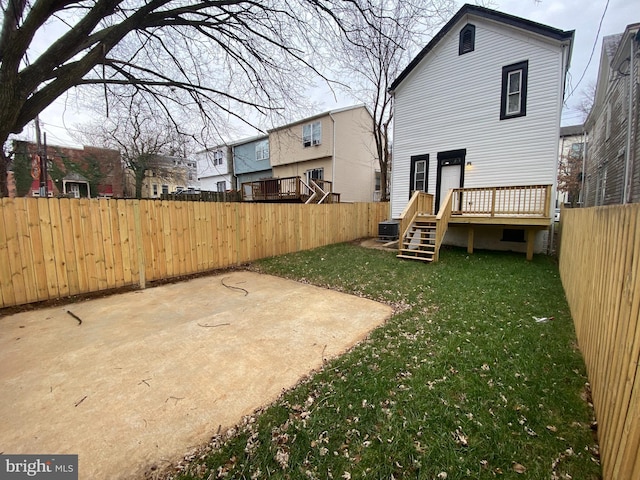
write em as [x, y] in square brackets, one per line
[53, 248]
[599, 266]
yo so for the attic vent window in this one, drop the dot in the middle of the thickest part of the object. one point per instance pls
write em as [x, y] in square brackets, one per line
[467, 39]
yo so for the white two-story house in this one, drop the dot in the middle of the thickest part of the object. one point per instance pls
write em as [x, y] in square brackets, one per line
[476, 128]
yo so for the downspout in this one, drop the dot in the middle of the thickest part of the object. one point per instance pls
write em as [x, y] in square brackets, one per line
[628, 170]
[554, 193]
[584, 159]
[234, 177]
[333, 155]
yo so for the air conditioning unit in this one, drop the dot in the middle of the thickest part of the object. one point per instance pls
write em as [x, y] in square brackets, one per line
[389, 230]
[316, 142]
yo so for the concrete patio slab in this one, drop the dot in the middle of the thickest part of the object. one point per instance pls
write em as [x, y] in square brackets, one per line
[148, 375]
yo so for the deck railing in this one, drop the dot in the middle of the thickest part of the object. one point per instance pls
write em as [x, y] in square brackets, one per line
[522, 200]
[442, 221]
[420, 202]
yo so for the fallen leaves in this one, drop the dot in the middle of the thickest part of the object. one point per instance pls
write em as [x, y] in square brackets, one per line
[460, 438]
[519, 468]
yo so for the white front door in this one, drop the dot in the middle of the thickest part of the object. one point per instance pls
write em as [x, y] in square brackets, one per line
[450, 178]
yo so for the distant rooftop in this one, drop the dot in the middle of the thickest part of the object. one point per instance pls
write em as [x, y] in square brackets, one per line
[571, 130]
[610, 44]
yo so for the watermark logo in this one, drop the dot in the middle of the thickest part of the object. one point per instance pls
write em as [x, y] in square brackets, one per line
[50, 467]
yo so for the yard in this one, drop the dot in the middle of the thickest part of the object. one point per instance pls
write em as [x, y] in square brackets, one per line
[476, 375]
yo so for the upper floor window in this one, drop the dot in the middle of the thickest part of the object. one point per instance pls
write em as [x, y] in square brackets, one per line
[514, 90]
[218, 157]
[577, 149]
[467, 39]
[311, 134]
[262, 150]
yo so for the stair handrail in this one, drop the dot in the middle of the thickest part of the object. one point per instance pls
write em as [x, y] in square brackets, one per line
[318, 189]
[442, 222]
[420, 202]
[324, 197]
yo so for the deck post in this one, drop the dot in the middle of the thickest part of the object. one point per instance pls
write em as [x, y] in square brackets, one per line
[493, 202]
[531, 239]
[470, 240]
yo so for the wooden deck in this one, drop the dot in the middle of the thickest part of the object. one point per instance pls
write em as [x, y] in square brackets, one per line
[289, 189]
[422, 230]
[519, 205]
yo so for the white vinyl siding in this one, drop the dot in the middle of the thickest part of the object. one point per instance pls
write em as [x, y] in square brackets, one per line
[433, 115]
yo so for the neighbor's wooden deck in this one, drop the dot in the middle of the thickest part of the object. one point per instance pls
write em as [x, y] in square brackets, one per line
[288, 189]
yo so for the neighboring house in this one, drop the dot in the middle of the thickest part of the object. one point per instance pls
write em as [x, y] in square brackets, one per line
[215, 169]
[613, 159]
[251, 159]
[336, 148]
[479, 109]
[166, 174]
[75, 172]
[571, 156]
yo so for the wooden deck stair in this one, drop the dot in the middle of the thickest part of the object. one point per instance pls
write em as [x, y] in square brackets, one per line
[419, 243]
[422, 233]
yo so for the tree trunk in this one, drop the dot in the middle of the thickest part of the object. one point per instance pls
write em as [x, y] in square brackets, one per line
[139, 177]
[384, 165]
[139, 186]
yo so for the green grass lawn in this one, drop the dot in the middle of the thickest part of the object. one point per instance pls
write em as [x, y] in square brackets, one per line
[461, 383]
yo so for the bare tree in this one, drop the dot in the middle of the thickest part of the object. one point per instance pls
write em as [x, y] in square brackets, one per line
[374, 53]
[216, 57]
[587, 97]
[570, 175]
[144, 137]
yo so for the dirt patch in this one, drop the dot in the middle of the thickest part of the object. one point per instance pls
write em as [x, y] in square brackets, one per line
[378, 244]
[138, 379]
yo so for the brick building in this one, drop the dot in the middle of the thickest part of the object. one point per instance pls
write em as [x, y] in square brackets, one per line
[76, 172]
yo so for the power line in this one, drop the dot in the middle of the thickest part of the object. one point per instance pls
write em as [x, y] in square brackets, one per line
[593, 49]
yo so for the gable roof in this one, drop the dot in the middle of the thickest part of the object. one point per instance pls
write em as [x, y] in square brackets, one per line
[467, 9]
[610, 45]
[614, 53]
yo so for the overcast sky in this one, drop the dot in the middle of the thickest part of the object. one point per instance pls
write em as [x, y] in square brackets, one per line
[579, 15]
[583, 17]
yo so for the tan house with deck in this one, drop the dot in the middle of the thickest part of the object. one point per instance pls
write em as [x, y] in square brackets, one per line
[333, 151]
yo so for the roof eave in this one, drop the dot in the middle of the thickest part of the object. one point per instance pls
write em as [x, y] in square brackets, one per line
[467, 9]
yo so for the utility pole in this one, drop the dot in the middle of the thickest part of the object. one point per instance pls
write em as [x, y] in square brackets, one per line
[42, 155]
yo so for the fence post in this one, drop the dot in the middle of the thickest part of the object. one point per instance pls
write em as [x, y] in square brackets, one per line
[139, 244]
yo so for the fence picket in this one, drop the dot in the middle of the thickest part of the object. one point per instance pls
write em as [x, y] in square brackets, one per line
[58, 247]
[599, 267]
